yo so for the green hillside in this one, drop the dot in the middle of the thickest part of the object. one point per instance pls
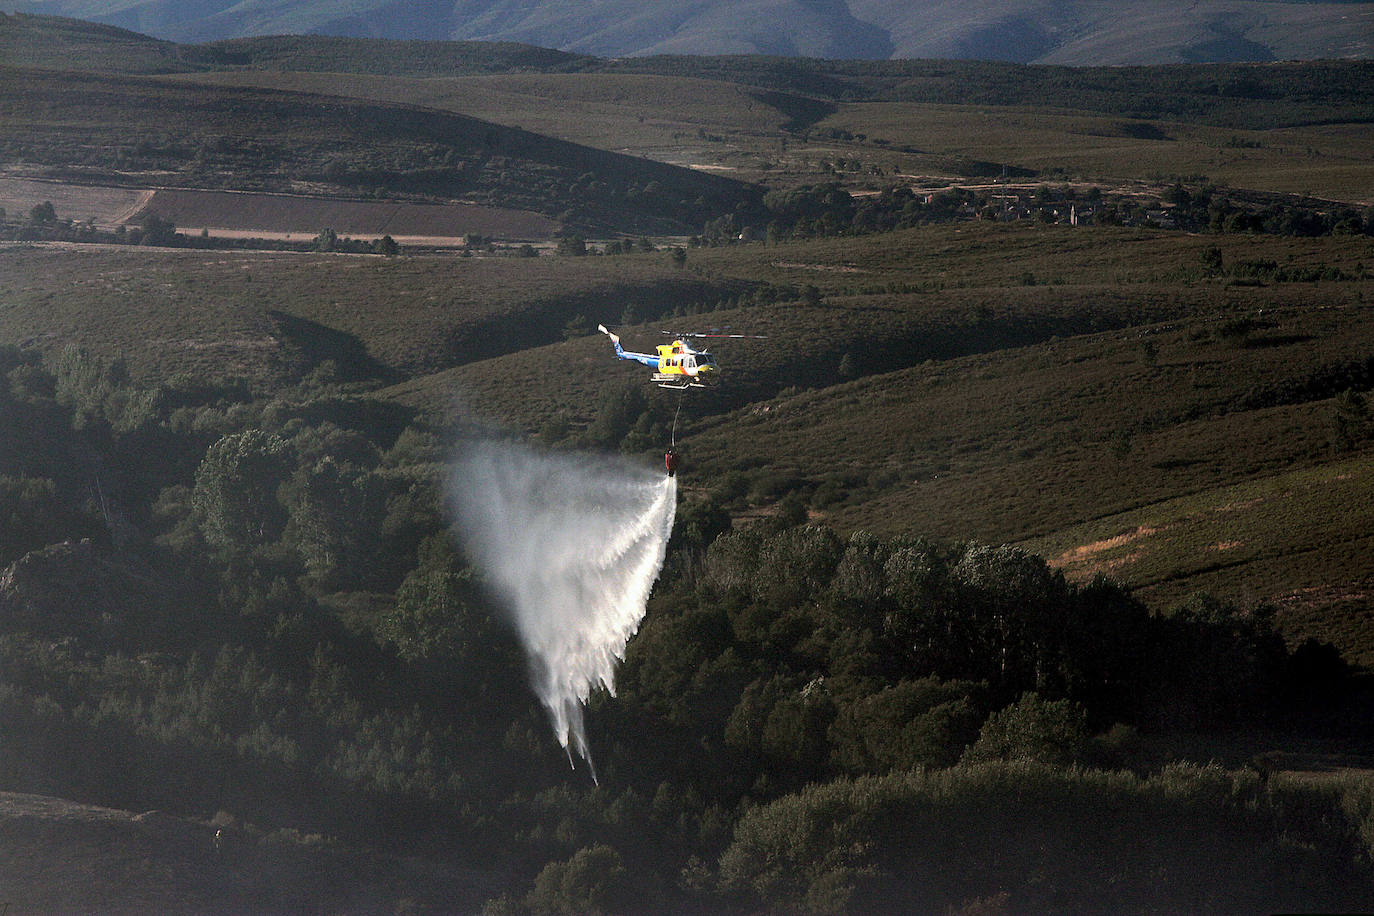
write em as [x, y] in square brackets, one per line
[1297, 128]
[1296, 539]
[263, 316]
[52, 42]
[114, 130]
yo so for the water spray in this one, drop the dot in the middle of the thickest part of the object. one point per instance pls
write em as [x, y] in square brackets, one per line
[571, 544]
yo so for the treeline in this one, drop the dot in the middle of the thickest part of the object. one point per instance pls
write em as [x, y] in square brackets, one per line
[813, 211]
[819, 211]
[1215, 210]
[889, 653]
[1027, 838]
[44, 225]
[382, 56]
[221, 600]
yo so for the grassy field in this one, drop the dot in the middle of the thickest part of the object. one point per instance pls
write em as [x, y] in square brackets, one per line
[212, 313]
[111, 130]
[64, 856]
[244, 213]
[1299, 539]
[608, 110]
[104, 207]
[1057, 415]
[1014, 443]
[1331, 161]
[903, 298]
[733, 127]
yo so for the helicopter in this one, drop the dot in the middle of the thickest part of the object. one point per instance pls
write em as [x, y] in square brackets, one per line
[677, 365]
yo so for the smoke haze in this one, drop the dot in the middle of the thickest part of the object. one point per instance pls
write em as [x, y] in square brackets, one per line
[571, 544]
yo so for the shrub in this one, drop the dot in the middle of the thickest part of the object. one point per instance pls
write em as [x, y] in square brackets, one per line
[1053, 732]
[594, 881]
[913, 723]
[1191, 839]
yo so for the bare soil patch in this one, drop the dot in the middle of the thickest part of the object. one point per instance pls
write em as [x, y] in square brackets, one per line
[106, 207]
[1088, 551]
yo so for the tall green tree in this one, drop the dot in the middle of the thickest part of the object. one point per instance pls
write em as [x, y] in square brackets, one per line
[336, 513]
[235, 494]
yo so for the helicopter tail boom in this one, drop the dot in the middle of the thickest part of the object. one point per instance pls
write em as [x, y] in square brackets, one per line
[620, 352]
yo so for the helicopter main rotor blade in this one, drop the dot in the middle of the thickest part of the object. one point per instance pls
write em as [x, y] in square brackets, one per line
[742, 336]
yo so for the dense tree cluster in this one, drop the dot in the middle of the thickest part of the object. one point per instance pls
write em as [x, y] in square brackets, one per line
[221, 600]
[44, 224]
[813, 211]
[1213, 210]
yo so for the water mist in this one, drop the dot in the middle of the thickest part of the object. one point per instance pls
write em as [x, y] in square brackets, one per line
[571, 544]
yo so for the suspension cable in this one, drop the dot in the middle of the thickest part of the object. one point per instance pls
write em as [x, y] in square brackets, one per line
[672, 442]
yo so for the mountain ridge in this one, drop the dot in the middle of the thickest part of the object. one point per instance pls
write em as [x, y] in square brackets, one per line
[1022, 31]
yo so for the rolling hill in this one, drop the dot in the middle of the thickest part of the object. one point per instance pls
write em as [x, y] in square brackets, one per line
[1116, 394]
[1080, 33]
[111, 129]
[1023, 567]
[773, 121]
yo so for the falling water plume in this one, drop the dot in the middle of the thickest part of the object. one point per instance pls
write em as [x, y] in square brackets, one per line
[571, 544]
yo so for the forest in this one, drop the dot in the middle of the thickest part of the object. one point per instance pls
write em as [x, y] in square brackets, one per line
[1020, 561]
[188, 627]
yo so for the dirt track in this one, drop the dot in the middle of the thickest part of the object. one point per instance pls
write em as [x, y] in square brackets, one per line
[108, 207]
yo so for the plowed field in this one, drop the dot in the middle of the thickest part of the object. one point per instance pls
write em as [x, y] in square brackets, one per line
[236, 214]
[279, 213]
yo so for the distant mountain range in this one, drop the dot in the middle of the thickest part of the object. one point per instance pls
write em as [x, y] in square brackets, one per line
[1072, 32]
